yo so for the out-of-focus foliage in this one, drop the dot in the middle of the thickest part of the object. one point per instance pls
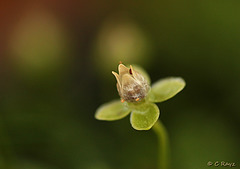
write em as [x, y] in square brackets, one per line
[119, 38]
[38, 44]
[56, 59]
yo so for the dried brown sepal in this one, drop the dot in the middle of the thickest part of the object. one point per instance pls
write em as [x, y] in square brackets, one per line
[131, 85]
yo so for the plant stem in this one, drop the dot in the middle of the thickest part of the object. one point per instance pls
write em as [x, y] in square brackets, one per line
[163, 146]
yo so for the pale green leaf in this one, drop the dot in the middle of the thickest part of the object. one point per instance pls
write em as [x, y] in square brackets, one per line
[110, 111]
[165, 89]
[144, 116]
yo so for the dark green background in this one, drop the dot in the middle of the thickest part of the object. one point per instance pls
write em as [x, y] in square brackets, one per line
[56, 60]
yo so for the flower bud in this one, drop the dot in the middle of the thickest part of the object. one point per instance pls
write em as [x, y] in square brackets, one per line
[131, 85]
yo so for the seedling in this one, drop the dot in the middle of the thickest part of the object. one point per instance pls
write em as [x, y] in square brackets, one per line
[138, 99]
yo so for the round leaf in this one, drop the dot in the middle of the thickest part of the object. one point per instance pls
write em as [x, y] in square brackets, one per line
[165, 89]
[114, 110]
[145, 116]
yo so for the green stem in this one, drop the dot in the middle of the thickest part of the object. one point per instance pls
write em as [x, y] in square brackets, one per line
[163, 145]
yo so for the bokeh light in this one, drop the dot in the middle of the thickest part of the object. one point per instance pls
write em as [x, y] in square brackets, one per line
[120, 38]
[38, 44]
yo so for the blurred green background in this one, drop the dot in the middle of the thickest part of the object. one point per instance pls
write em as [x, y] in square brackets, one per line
[56, 59]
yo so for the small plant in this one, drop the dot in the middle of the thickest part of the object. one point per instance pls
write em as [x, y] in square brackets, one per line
[138, 99]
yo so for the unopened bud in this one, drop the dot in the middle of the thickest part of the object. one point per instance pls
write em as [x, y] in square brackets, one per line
[131, 85]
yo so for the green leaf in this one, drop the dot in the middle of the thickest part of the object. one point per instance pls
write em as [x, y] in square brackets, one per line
[165, 89]
[110, 111]
[144, 116]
